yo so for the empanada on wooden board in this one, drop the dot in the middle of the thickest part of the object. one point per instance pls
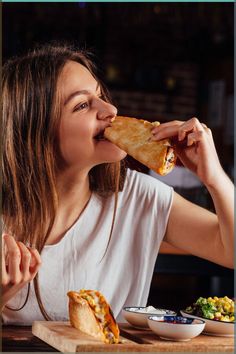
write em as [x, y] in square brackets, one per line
[90, 313]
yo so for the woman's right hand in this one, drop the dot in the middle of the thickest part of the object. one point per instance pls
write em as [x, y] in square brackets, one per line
[20, 265]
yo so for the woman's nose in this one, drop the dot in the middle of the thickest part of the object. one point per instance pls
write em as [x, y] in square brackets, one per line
[106, 111]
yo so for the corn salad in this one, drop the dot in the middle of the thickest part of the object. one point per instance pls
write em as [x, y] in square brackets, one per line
[213, 308]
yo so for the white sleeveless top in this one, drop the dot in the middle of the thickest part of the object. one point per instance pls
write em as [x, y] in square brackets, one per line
[124, 274]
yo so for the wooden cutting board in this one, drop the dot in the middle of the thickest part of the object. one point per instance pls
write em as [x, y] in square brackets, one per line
[65, 338]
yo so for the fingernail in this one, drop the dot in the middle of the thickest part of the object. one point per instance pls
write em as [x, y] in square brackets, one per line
[154, 130]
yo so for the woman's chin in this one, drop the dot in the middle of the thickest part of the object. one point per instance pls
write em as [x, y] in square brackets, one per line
[114, 158]
[109, 152]
[113, 154]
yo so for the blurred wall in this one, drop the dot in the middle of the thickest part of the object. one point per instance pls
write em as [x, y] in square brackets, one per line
[161, 61]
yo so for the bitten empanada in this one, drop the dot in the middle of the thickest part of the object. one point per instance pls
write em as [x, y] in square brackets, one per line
[134, 137]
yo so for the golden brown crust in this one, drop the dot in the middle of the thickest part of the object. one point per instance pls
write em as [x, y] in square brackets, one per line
[83, 315]
[134, 136]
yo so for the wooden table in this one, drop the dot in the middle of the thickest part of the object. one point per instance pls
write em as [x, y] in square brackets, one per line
[21, 339]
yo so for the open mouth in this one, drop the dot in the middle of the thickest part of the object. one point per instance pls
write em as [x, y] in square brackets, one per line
[100, 136]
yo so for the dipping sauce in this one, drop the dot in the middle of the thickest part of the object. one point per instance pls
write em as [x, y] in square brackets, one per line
[148, 309]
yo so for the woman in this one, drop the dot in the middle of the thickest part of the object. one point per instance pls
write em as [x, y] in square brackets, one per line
[73, 216]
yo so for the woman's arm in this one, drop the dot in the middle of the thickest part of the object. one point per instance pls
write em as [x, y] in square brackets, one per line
[190, 227]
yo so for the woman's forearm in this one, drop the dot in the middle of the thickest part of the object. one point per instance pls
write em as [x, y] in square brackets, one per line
[222, 193]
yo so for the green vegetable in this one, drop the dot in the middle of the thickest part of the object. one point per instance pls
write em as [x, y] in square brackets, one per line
[220, 309]
[207, 309]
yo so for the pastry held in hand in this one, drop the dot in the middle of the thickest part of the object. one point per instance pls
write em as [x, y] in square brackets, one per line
[90, 313]
[134, 137]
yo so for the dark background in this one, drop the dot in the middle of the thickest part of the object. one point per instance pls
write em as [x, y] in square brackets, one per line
[161, 61]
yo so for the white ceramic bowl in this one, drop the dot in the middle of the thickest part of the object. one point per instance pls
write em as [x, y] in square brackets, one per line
[213, 327]
[176, 328]
[136, 318]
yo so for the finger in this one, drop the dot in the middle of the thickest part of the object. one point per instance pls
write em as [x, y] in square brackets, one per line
[192, 124]
[25, 261]
[35, 261]
[165, 132]
[14, 255]
[5, 277]
[207, 130]
[176, 127]
[4, 247]
[166, 125]
[194, 137]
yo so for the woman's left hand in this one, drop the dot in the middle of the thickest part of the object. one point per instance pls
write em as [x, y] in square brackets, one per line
[198, 153]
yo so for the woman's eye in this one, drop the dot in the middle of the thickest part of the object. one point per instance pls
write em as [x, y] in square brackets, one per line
[81, 106]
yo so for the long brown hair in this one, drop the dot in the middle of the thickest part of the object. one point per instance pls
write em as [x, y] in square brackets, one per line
[31, 118]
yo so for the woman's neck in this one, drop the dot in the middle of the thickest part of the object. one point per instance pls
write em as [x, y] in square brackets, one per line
[73, 196]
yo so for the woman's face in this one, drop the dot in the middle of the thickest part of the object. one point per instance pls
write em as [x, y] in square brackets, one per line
[84, 115]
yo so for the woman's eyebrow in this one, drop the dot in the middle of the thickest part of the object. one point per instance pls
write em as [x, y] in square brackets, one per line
[76, 93]
[79, 92]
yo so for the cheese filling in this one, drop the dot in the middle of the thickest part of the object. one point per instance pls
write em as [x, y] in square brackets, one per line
[99, 308]
[170, 157]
